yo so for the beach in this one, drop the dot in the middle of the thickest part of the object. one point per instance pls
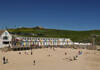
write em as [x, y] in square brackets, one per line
[49, 59]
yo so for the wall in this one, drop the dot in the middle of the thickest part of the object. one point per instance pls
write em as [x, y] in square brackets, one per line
[6, 33]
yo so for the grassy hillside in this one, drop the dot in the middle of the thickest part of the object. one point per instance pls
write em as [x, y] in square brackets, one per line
[80, 36]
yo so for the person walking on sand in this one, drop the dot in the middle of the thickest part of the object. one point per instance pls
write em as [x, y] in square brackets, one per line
[49, 55]
[74, 57]
[79, 52]
[53, 49]
[19, 52]
[34, 62]
[4, 60]
[31, 53]
[65, 53]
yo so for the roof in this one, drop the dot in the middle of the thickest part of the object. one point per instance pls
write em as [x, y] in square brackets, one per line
[1, 31]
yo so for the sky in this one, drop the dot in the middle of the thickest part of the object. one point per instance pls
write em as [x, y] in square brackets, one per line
[55, 14]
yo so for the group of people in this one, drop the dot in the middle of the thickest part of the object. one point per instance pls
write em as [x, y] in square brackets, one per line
[34, 61]
[26, 53]
[74, 57]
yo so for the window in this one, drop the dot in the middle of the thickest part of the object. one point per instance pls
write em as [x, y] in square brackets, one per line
[6, 42]
[5, 38]
[6, 33]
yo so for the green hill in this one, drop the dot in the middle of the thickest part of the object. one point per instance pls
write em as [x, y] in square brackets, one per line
[77, 36]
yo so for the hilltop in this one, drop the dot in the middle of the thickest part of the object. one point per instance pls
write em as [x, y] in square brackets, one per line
[77, 36]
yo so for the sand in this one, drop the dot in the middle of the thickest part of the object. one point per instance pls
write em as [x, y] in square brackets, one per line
[89, 60]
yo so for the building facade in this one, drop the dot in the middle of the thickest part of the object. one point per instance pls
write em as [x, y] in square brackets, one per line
[8, 40]
[5, 39]
[42, 41]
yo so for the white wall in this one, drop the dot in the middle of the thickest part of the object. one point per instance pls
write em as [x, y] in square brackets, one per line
[0, 42]
[6, 33]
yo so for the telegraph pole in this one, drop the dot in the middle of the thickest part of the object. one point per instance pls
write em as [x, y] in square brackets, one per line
[93, 41]
[93, 44]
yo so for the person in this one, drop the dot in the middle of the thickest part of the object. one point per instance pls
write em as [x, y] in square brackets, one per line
[74, 57]
[53, 49]
[34, 62]
[4, 60]
[49, 55]
[25, 52]
[19, 52]
[70, 59]
[65, 53]
[31, 53]
[80, 52]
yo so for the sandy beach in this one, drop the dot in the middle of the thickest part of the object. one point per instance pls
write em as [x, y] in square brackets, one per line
[48, 59]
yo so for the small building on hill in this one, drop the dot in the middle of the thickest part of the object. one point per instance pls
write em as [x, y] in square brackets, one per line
[5, 39]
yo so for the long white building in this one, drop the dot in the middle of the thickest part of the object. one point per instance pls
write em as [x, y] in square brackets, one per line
[43, 41]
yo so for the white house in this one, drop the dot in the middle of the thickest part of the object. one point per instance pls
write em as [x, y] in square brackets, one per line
[5, 39]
